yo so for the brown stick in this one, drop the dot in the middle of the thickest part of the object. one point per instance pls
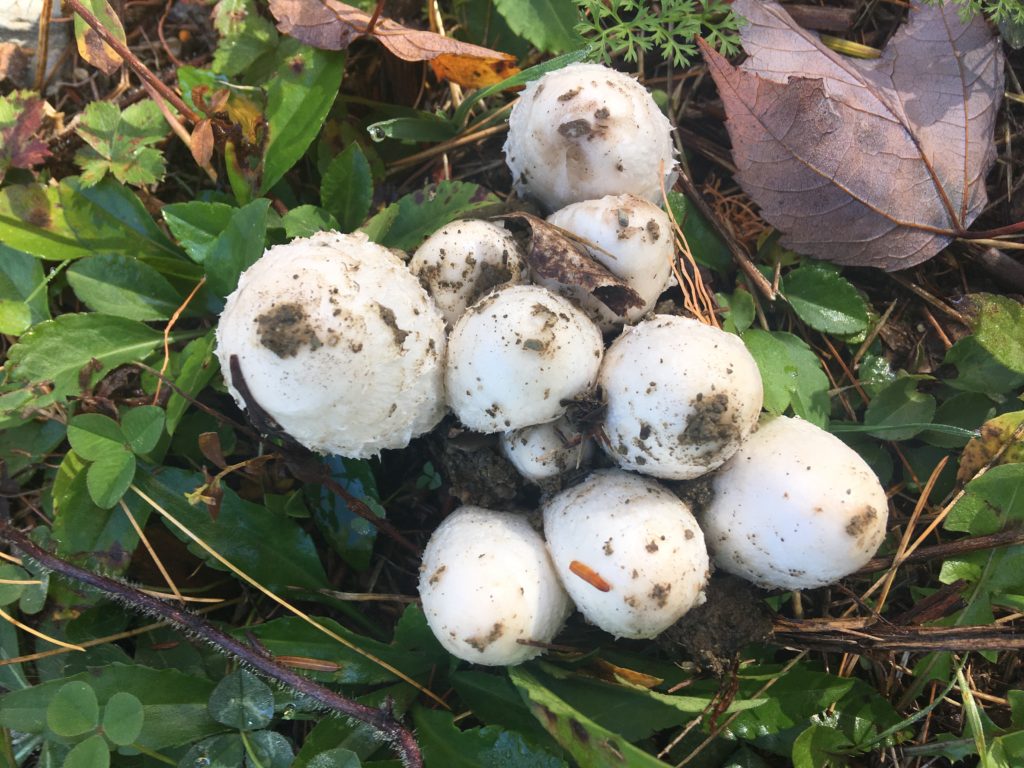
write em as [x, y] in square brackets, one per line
[1006, 538]
[866, 635]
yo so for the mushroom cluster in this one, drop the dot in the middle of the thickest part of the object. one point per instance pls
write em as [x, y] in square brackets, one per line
[340, 345]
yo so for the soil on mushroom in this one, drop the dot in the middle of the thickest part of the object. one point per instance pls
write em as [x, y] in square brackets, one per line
[285, 329]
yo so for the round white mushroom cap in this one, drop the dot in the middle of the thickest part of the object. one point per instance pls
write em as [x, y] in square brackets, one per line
[517, 356]
[633, 239]
[487, 582]
[543, 451]
[338, 343]
[629, 552]
[681, 397]
[795, 508]
[463, 261]
[586, 131]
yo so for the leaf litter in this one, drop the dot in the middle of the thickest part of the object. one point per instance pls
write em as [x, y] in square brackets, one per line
[864, 162]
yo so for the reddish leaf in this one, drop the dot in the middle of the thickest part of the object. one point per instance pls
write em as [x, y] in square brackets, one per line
[870, 163]
[19, 147]
[333, 26]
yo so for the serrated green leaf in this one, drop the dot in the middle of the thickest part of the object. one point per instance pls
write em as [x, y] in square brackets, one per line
[197, 225]
[299, 97]
[346, 189]
[242, 701]
[32, 220]
[444, 744]
[123, 717]
[238, 247]
[548, 24]
[825, 300]
[123, 286]
[899, 411]
[118, 143]
[22, 287]
[73, 710]
[93, 436]
[307, 220]
[142, 427]
[108, 478]
[91, 753]
[791, 374]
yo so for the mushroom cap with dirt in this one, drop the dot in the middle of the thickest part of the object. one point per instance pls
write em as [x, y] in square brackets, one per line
[629, 552]
[542, 452]
[516, 358]
[486, 583]
[795, 508]
[334, 340]
[681, 397]
[586, 131]
[465, 260]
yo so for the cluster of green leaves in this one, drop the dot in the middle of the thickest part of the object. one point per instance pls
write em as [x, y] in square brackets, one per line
[997, 10]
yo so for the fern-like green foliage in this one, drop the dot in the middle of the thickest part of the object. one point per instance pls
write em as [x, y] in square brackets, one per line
[629, 27]
[996, 10]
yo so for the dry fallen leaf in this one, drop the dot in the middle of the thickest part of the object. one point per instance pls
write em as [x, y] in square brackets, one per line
[21, 118]
[869, 163]
[91, 46]
[333, 25]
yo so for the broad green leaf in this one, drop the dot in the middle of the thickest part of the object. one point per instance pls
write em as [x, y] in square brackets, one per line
[238, 247]
[998, 325]
[119, 143]
[745, 758]
[15, 317]
[93, 436]
[346, 189]
[978, 370]
[23, 290]
[547, 24]
[196, 225]
[73, 710]
[899, 411]
[11, 592]
[819, 747]
[123, 718]
[174, 704]
[588, 743]
[242, 701]
[198, 366]
[268, 750]
[350, 535]
[407, 223]
[123, 286]
[445, 745]
[142, 427]
[968, 410]
[246, 37]
[91, 46]
[741, 310]
[705, 244]
[824, 299]
[791, 374]
[335, 758]
[108, 478]
[991, 502]
[91, 753]
[299, 97]
[227, 751]
[32, 220]
[307, 220]
[29, 444]
[495, 700]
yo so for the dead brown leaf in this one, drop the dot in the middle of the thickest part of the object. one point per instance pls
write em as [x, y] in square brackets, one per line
[553, 255]
[333, 26]
[869, 163]
[20, 145]
[91, 46]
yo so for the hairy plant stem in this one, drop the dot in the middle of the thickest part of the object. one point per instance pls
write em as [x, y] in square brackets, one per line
[381, 720]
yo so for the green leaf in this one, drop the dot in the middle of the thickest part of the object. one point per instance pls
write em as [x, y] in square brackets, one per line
[123, 286]
[91, 753]
[547, 24]
[108, 478]
[197, 225]
[978, 370]
[198, 367]
[91, 46]
[708, 248]
[588, 743]
[998, 325]
[741, 310]
[15, 317]
[268, 749]
[238, 247]
[819, 747]
[246, 37]
[93, 436]
[307, 220]
[493, 699]
[242, 701]
[32, 220]
[824, 299]
[350, 535]
[123, 717]
[73, 710]
[299, 97]
[22, 291]
[28, 445]
[899, 411]
[346, 189]
[335, 758]
[227, 751]
[119, 143]
[11, 592]
[791, 374]
[445, 745]
[143, 427]
[407, 223]
[967, 410]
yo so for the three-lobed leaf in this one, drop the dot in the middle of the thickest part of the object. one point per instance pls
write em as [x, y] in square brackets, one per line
[119, 143]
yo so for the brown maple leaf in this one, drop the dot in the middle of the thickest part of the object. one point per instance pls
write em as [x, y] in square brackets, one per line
[333, 26]
[869, 163]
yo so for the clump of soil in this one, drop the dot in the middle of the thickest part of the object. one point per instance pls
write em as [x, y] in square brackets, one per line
[285, 329]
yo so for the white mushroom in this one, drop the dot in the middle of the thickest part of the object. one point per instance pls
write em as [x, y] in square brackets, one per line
[333, 338]
[465, 260]
[486, 583]
[629, 552]
[795, 508]
[681, 397]
[516, 358]
[587, 131]
[633, 239]
[545, 451]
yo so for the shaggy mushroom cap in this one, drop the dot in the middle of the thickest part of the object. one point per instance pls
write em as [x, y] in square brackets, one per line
[629, 552]
[545, 451]
[338, 343]
[681, 397]
[632, 239]
[465, 260]
[586, 131]
[516, 358]
[795, 508]
[487, 582]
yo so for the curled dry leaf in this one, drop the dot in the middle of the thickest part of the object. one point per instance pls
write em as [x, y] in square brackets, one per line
[553, 254]
[333, 26]
[868, 163]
